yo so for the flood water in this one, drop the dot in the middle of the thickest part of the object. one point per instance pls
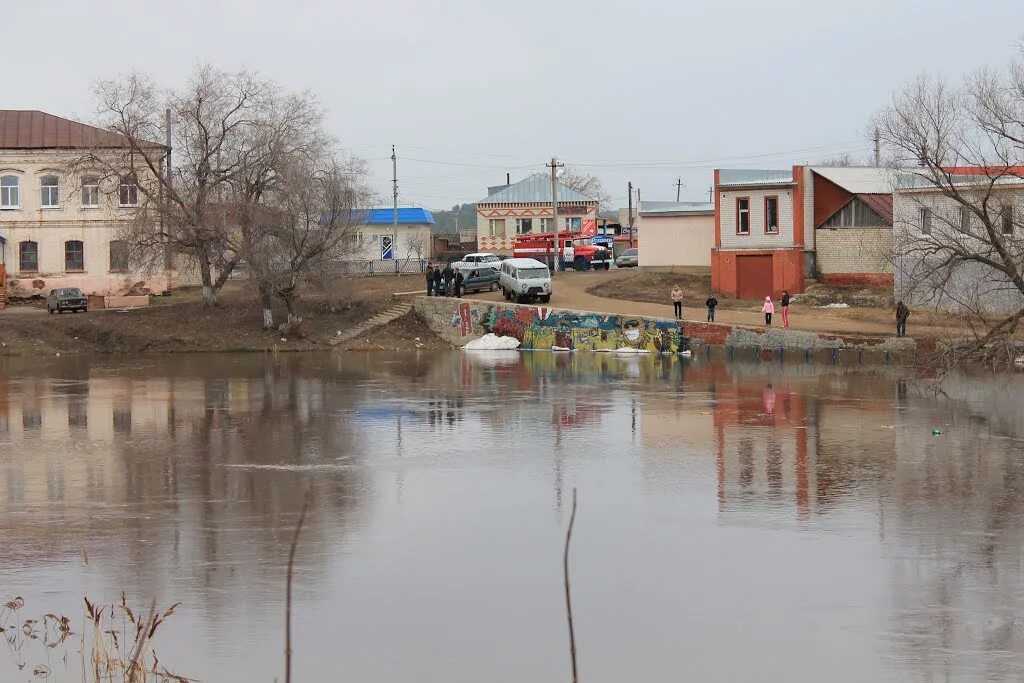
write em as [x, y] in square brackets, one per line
[790, 522]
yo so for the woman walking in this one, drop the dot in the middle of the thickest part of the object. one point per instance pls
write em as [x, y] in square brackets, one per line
[677, 302]
[785, 308]
[768, 309]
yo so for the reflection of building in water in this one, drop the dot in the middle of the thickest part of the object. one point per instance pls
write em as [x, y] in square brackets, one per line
[777, 433]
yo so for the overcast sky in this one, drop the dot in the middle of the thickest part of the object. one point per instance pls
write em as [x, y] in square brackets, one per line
[467, 90]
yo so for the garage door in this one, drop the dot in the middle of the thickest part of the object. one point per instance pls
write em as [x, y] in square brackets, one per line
[754, 276]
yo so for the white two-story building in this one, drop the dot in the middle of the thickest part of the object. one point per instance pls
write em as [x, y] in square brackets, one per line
[58, 227]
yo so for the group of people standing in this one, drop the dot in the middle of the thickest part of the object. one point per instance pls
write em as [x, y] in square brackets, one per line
[712, 303]
[445, 281]
[769, 309]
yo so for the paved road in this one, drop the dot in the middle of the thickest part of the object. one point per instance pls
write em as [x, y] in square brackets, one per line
[570, 292]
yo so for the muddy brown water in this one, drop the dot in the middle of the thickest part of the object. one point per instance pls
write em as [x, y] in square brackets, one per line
[790, 522]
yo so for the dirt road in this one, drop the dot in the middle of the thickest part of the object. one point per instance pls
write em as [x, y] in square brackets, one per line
[570, 291]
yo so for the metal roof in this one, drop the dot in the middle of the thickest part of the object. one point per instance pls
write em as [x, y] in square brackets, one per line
[408, 216]
[742, 176]
[676, 208]
[858, 179]
[880, 204]
[923, 180]
[21, 129]
[534, 189]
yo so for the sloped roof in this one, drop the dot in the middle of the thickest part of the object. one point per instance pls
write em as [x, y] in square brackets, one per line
[534, 189]
[858, 179]
[879, 203]
[407, 216]
[676, 208]
[28, 129]
[745, 176]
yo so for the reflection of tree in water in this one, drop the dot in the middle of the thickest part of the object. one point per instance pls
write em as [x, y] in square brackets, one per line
[951, 519]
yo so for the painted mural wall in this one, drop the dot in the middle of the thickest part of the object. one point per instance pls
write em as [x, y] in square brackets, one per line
[541, 328]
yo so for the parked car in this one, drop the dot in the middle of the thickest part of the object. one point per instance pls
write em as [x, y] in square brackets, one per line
[479, 279]
[483, 258]
[525, 279]
[66, 299]
[627, 259]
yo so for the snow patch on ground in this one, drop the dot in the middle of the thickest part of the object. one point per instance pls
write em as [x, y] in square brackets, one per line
[492, 342]
[627, 349]
[835, 306]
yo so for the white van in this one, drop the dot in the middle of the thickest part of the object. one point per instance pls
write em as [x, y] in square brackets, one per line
[525, 279]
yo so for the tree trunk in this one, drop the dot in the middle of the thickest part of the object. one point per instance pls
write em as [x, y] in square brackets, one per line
[268, 314]
[209, 292]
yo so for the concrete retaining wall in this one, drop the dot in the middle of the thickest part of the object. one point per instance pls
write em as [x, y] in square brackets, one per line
[460, 320]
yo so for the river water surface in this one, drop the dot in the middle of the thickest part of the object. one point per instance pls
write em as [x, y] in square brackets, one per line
[769, 522]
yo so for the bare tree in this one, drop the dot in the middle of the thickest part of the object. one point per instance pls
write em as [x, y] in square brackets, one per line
[587, 185]
[215, 135]
[957, 153]
[416, 244]
[304, 224]
[841, 160]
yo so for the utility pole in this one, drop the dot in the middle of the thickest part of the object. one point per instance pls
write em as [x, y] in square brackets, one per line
[394, 195]
[878, 148]
[679, 188]
[632, 233]
[629, 193]
[711, 193]
[557, 251]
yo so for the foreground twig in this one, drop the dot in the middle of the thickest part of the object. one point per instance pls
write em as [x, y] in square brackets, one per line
[288, 592]
[568, 596]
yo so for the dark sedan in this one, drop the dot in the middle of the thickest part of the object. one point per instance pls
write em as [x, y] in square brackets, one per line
[66, 299]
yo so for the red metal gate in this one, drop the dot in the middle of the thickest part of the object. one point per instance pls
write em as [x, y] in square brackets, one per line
[754, 276]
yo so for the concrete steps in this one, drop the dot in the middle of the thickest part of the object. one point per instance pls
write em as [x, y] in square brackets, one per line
[374, 322]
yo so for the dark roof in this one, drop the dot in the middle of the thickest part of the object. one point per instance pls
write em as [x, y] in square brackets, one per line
[407, 216]
[38, 130]
[880, 204]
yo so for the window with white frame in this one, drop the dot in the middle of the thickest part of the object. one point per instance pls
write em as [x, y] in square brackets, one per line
[129, 192]
[743, 215]
[573, 224]
[524, 226]
[496, 227]
[545, 224]
[10, 195]
[90, 192]
[926, 221]
[49, 191]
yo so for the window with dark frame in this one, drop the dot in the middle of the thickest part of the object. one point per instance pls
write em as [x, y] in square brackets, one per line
[1007, 216]
[129, 192]
[119, 255]
[28, 257]
[74, 256]
[743, 215]
[771, 215]
[926, 221]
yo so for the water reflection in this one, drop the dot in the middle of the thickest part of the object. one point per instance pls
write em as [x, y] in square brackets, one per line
[812, 496]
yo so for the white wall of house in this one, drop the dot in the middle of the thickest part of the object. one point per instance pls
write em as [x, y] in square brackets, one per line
[970, 286]
[413, 241]
[496, 224]
[70, 218]
[666, 241]
[757, 239]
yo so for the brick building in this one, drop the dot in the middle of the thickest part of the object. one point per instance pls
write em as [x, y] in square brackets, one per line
[776, 228]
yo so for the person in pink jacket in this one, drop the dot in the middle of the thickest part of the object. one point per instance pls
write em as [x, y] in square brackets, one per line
[768, 309]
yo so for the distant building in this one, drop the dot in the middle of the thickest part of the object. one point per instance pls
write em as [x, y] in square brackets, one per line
[675, 234]
[775, 228]
[378, 240]
[525, 207]
[58, 228]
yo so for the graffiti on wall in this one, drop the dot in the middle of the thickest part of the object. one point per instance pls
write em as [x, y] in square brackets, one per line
[543, 328]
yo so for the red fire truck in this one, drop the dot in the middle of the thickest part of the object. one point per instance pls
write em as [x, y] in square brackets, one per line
[577, 251]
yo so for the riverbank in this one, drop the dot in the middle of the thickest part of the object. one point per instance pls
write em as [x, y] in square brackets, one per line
[179, 323]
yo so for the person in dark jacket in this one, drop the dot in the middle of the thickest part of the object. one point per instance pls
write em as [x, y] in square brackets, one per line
[459, 279]
[902, 313]
[437, 281]
[712, 304]
[448, 274]
[429, 273]
[784, 304]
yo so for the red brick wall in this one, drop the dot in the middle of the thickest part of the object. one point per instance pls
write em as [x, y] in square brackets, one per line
[828, 197]
[857, 279]
[787, 271]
